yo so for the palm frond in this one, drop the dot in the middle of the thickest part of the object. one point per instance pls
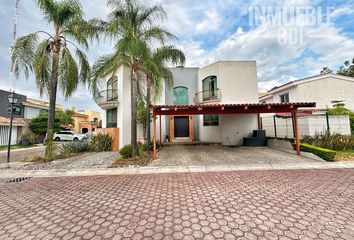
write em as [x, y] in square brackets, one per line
[42, 67]
[68, 73]
[22, 54]
[84, 66]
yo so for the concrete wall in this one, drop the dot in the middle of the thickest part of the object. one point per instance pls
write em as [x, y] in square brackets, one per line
[325, 90]
[308, 125]
[238, 83]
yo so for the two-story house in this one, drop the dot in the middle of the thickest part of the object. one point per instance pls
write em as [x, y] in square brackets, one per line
[321, 89]
[222, 82]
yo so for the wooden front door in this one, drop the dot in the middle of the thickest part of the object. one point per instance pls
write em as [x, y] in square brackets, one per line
[181, 126]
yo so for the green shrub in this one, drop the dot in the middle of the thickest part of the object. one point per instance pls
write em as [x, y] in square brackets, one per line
[101, 143]
[126, 151]
[142, 147]
[334, 141]
[29, 136]
[75, 147]
[323, 153]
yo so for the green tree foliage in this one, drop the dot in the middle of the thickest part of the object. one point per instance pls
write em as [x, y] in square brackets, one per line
[347, 69]
[66, 117]
[50, 58]
[39, 124]
[134, 28]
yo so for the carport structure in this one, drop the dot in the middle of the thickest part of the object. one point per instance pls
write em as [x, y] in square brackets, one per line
[237, 108]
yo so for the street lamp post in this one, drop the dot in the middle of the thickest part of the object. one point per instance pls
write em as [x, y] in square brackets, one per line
[12, 98]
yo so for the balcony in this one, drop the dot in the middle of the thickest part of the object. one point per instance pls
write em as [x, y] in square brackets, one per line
[207, 97]
[107, 99]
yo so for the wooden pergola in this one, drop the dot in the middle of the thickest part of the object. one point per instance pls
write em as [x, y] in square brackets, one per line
[237, 108]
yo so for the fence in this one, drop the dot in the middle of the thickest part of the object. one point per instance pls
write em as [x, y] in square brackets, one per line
[309, 125]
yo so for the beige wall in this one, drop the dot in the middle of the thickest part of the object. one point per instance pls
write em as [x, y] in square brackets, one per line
[238, 83]
[326, 90]
[91, 114]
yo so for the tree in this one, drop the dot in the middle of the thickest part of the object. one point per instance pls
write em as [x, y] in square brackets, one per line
[66, 117]
[133, 27]
[50, 59]
[326, 70]
[156, 73]
[347, 69]
[39, 124]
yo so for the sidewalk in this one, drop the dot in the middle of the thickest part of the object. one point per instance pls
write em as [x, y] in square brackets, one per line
[172, 169]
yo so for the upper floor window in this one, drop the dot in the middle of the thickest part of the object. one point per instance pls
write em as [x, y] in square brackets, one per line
[209, 88]
[180, 95]
[284, 97]
[112, 85]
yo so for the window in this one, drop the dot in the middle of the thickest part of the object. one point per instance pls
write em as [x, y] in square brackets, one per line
[112, 118]
[180, 95]
[112, 86]
[209, 88]
[42, 111]
[284, 97]
[211, 120]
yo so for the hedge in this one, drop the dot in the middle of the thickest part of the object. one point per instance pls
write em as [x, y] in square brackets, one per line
[323, 153]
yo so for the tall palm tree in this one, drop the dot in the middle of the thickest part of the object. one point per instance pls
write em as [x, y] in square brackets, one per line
[133, 27]
[50, 59]
[156, 73]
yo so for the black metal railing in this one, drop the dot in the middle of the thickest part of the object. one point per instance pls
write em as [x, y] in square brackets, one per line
[107, 96]
[207, 96]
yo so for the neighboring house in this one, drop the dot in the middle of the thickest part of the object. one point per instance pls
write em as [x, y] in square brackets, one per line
[86, 121]
[223, 82]
[18, 122]
[321, 89]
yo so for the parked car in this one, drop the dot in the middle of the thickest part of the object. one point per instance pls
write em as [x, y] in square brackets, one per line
[69, 136]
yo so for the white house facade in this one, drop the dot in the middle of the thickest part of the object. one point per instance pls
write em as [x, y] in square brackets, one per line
[321, 89]
[223, 82]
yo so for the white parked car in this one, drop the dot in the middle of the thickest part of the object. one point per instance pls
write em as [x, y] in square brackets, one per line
[69, 136]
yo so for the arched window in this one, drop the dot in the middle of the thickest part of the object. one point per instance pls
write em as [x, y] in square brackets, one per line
[209, 88]
[180, 95]
[112, 85]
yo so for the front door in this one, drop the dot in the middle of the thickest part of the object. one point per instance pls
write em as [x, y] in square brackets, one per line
[181, 126]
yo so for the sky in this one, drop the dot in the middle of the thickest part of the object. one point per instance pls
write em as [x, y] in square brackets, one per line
[310, 35]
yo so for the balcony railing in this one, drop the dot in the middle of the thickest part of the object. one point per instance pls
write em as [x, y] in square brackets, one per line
[207, 96]
[107, 97]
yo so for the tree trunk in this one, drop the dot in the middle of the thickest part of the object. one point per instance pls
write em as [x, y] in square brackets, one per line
[52, 102]
[148, 102]
[133, 86]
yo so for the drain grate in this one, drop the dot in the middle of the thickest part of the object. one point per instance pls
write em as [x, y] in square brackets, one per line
[18, 179]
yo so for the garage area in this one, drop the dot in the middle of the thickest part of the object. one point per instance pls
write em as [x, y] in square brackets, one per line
[208, 155]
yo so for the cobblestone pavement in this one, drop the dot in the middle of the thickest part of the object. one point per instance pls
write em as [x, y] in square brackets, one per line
[190, 155]
[283, 204]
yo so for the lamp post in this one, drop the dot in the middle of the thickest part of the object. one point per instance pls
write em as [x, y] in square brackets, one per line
[13, 99]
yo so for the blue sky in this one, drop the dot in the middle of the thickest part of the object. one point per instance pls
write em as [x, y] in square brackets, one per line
[211, 30]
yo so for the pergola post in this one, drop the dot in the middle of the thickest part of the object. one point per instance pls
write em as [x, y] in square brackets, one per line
[259, 121]
[297, 140]
[160, 130]
[154, 126]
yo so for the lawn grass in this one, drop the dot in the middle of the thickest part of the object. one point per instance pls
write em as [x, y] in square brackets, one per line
[2, 148]
[345, 155]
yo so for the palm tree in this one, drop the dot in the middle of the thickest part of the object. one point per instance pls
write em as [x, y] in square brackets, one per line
[157, 72]
[132, 25]
[50, 59]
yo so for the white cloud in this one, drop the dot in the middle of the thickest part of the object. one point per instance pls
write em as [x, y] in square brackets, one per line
[211, 21]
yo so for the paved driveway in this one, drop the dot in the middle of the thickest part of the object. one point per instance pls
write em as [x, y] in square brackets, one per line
[197, 155]
[286, 204]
